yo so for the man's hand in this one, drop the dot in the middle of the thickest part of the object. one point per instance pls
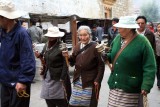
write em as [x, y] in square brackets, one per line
[20, 87]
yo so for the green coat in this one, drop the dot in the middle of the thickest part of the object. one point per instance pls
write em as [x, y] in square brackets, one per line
[135, 68]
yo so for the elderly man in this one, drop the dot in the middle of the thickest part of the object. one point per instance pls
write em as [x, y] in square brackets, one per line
[142, 22]
[17, 63]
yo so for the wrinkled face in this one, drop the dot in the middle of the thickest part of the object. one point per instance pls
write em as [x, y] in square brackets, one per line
[142, 24]
[158, 28]
[124, 32]
[84, 36]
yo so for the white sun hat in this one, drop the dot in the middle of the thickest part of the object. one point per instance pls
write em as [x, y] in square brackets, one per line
[8, 10]
[54, 32]
[127, 22]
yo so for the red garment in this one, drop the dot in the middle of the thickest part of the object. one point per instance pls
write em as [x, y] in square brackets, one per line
[151, 29]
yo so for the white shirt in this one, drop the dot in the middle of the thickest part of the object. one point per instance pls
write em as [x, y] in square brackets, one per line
[141, 32]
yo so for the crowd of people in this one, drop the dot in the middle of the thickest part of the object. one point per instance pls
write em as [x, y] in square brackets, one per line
[134, 54]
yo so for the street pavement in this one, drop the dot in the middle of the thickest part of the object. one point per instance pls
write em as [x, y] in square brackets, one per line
[36, 101]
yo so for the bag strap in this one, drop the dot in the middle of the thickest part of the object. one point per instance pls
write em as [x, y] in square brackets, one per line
[84, 48]
[120, 51]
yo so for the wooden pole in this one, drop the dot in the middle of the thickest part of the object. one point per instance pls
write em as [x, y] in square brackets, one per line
[74, 30]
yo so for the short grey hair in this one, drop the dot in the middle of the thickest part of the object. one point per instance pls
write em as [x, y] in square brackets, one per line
[87, 28]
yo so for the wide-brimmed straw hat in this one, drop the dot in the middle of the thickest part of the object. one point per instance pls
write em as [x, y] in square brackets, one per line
[8, 10]
[127, 22]
[54, 32]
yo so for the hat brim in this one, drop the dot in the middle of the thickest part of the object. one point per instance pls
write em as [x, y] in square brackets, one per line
[60, 34]
[12, 14]
[131, 26]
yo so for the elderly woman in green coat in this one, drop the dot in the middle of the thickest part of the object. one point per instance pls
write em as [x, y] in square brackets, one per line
[133, 65]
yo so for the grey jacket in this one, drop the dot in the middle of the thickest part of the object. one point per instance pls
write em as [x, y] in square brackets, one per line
[36, 34]
[99, 33]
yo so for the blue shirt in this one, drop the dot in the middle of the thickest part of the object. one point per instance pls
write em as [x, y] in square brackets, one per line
[17, 62]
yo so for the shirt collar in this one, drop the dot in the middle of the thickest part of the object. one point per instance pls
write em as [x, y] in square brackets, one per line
[141, 32]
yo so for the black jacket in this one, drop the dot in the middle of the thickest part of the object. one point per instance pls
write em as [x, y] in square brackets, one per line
[151, 37]
[55, 62]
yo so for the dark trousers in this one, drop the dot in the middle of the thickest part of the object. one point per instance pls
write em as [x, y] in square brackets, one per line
[56, 103]
[9, 97]
[158, 70]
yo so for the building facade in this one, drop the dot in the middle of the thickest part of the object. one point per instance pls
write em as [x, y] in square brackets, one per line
[81, 8]
[117, 8]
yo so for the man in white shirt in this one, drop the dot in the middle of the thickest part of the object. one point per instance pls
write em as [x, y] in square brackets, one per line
[141, 21]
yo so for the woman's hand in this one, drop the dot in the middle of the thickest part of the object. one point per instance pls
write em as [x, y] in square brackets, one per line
[96, 83]
[65, 53]
[143, 92]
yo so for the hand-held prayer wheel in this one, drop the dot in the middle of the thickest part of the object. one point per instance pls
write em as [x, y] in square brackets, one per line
[101, 48]
[63, 48]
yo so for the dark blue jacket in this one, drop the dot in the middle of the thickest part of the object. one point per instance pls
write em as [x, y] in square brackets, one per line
[17, 62]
